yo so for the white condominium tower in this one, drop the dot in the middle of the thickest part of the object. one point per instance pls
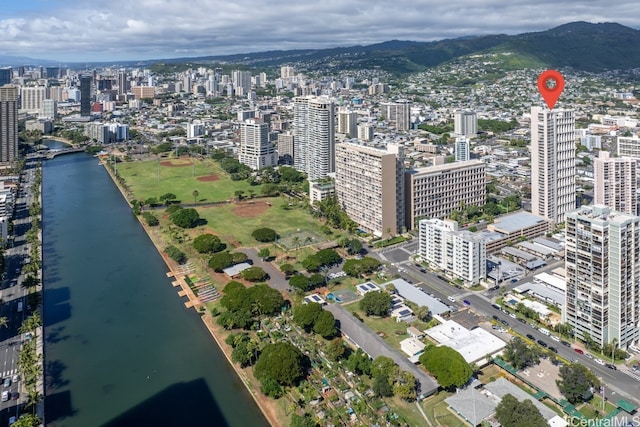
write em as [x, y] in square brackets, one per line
[314, 136]
[398, 113]
[348, 123]
[465, 123]
[256, 151]
[602, 265]
[553, 163]
[370, 186]
[615, 183]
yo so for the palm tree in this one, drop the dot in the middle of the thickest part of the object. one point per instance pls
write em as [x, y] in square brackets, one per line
[296, 241]
[308, 240]
[195, 195]
[4, 321]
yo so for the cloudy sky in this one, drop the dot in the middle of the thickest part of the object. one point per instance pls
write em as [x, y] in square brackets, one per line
[79, 30]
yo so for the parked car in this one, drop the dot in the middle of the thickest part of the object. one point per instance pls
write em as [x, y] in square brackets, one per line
[542, 343]
[504, 322]
[496, 318]
[5, 396]
[555, 350]
[466, 302]
[7, 382]
[599, 361]
[612, 366]
[555, 338]
[578, 350]
[565, 343]
[513, 315]
[531, 337]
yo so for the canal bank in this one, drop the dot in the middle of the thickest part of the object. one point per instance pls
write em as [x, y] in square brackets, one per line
[120, 348]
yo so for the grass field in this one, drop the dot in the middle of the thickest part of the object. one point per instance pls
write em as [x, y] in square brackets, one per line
[224, 221]
[181, 180]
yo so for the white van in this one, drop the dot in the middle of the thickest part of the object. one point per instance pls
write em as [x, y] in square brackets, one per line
[544, 331]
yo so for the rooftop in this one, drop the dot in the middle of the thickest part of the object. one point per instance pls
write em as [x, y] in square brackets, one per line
[517, 221]
[416, 295]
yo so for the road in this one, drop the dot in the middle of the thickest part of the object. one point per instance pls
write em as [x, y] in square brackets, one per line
[12, 295]
[621, 383]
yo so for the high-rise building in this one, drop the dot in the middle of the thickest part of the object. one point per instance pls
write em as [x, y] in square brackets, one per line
[49, 109]
[602, 263]
[287, 72]
[314, 136]
[241, 82]
[5, 76]
[369, 186]
[123, 82]
[365, 132]
[348, 123]
[436, 191]
[286, 148]
[629, 146]
[8, 123]
[462, 149]
[553, 163]
[615, 183]
[398, 113]
[256, 151]
[465, 123]
[31, 97]
[458, 252]
[85, 95]
[144, 92]
[195, 129]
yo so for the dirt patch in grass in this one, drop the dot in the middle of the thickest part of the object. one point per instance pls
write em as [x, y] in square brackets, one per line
[176, 163]
[250, 209]
[208, 178]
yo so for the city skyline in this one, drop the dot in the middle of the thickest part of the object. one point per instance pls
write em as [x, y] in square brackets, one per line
[157, 29]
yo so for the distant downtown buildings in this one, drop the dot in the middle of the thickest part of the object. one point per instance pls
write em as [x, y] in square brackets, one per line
[553, 163]
[602, 265]
[8, 123]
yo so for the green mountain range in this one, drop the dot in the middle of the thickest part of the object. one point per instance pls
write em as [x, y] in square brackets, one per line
[579, 45]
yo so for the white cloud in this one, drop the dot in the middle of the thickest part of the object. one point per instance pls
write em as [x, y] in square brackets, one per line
[122, 29]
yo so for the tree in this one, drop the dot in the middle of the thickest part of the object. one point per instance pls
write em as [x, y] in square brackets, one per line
[354, 246]
[382, 386]
[316, 280]
[305, 315]
[447, 365]
[512, 413]
[271, 388]
[264, 253]
[423, 313]
[208, 243]
[359, 363]
[254, 274]
[356, 267]
[575, 382]
[185, 218]
[282, 362]
[376, 303]
[325, 325]
[195, 193]
[305, 420]
[299, 281]
[175, 254]
[311, 263]
[520, 355]
[150, 218]
[27, 420]
[334, 349]
[168, 198]
[405, 386]
[296, 241]
[328, 257]
[220, 261]
[287, 269]
[30, 282]
[4, 322]
[264, 235]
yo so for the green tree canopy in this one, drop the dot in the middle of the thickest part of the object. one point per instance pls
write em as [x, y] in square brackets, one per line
[575, 382]
[512, 413]
[287, 269]
[520, 355]
[254, 274]
[305, 315]
[175, 254]
[300, 281]
[335, 349]
[264, 234]
[447, 365]
[376, 303]
[359, 363]
[282, 362]
[357, 267]
[325, 325]
[185, 218]
[220, 261]
[207, 243]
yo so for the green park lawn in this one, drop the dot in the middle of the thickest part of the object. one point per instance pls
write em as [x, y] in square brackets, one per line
[237, 230]
[142, 180]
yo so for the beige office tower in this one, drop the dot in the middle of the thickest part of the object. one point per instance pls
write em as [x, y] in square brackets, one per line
[256, 151]
[615, 183]
[31, 98]
[8, 123]
[348, 123]
[553, 163]
[314, 136]
[369, 186]
[436, 191]
[602, 262]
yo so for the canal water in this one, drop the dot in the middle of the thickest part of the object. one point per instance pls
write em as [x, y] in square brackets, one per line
[120, 347]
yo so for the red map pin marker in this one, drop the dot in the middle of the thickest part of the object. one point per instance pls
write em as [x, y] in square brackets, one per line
[550, 85]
